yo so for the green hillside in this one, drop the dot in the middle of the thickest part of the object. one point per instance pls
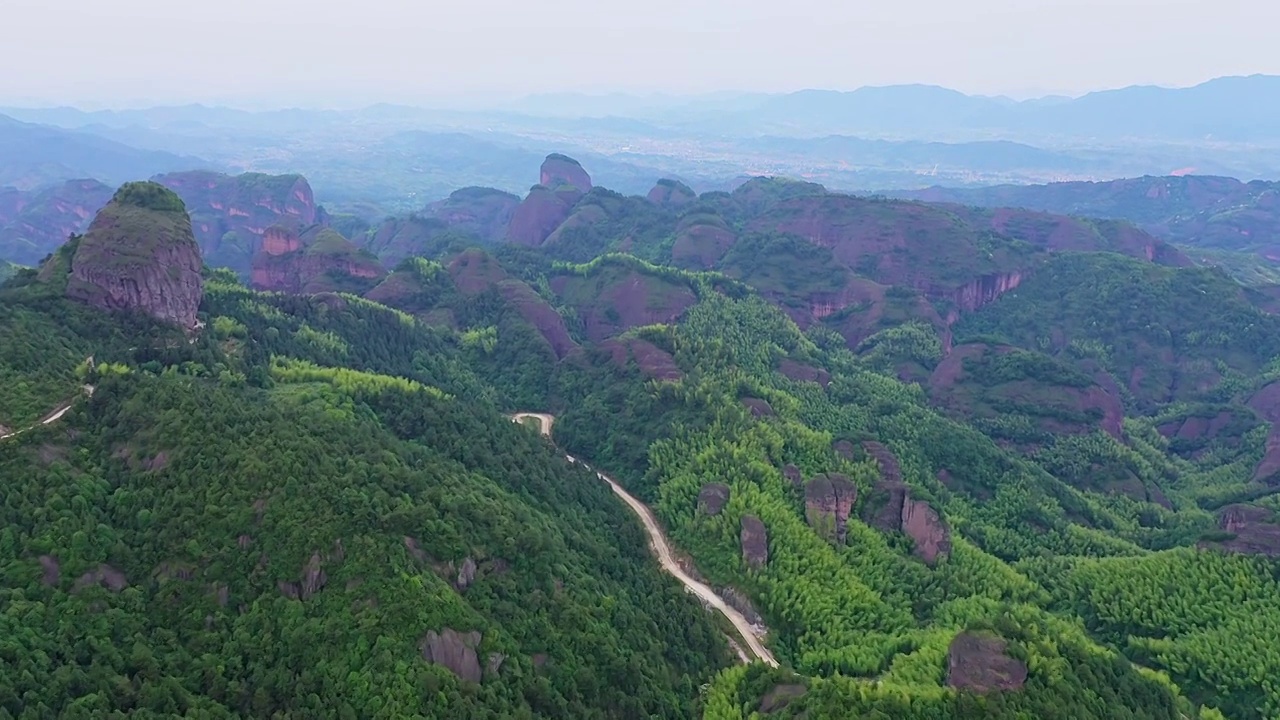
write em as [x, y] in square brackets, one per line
[1037, 485]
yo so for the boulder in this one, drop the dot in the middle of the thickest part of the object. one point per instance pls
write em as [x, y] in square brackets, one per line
[453, 650]
[793, 474]
[466, 574]
[759, 408]
[884, 505]
[712, 498]
[755, 542]
[979, 663]
[804, 373]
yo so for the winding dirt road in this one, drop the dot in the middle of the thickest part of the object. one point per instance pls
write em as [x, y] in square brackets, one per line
[662, 549]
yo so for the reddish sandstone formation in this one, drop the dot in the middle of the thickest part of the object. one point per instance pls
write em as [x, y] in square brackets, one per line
[317, 260]
[979, 663]
[538, 215]
[560, 170]
[712, 498]
[755, 542]
[921, 523]
[828, 500]
[615, 298]
[34, 224]
[804, 373]
[890, 508]
[652, 360]
[105, 576]
[757, 407]
[139, 254]
[475, 271]
[231, 213]
[1255, 529]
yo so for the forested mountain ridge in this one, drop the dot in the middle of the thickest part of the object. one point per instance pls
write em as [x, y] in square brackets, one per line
[952, 479]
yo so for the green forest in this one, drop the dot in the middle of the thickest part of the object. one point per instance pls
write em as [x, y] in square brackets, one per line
[1059, 504]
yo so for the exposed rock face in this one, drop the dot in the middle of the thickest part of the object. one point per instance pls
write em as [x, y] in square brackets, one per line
[755, 542]
[759, 408]
[539, 214]
[1266, 402]
[317, 260]
[793, 474]
[738, 600]
[889, 508]
[311, 580]
[804, 373]
[453, 650]
[34, 224]
[985, 290]
[653, 361]
[615, 298]
[828, 500]
[781, 696]
[712, 498]
[843, 448]
[1268, 470]
[231, 213]
[466, 574]
[560, 170]
[978, 663]
[139, 254]
[670, 193]
[52, 573]
[922, 524]
[104, 575]
[1256, 530]
[495, 663]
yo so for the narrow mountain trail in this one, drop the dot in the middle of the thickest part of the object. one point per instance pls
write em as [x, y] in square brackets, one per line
[662, 549]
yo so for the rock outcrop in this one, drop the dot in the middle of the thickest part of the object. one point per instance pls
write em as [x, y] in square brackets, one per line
[652, 360]
[230, 213]
[804, 373]
[755, 542]
[317, 260]
[828, 500]
[34, 224]
[889, 507]
[453, 650]
[475, 271]
[712, 498]
[1255, 530]
[979, 663]
[539, 214]
[105, 576]
[793, 475]
[672, 194]
[139, 254]
[51, 572]
[560, 170]
[310, 581]
[757, 407]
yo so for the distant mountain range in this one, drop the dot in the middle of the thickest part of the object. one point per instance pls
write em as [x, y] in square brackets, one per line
[33, 156]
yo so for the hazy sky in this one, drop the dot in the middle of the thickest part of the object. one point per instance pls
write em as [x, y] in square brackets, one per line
[329, 52]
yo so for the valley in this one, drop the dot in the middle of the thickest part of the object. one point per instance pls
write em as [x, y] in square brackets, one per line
[960, 460]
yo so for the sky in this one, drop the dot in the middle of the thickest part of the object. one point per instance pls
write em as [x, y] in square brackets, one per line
[334, 53]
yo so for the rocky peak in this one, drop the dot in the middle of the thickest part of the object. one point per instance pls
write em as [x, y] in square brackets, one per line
[140, 254]
[560, 170]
